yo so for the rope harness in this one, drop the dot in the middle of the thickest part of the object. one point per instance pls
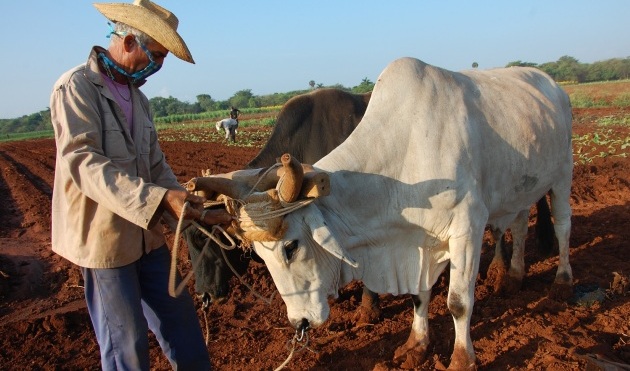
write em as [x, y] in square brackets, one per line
[247, 214]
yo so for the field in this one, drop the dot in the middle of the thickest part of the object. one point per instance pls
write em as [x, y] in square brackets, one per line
[45, 325]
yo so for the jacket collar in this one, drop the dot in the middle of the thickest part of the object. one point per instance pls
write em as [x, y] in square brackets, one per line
[92, 70]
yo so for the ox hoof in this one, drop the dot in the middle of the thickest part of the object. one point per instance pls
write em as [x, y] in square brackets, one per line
[410, 356]
[502, 282]
[496, 275]
[461, 360]
[560, 291]
[509, 286]
[409, 359]
[366, 314]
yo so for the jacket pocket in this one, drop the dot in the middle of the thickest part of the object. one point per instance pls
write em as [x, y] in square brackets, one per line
[148, 137]
[114, 142]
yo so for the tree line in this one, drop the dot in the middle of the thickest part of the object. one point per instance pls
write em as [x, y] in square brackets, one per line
[565, 69]
[569, 69]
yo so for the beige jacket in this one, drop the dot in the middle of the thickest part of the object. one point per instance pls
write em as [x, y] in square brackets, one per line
[108, 182]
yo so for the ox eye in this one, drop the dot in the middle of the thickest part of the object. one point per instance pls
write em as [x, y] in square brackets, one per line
[290, 249]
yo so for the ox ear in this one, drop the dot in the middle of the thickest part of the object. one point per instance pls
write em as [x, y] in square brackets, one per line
[323, 236]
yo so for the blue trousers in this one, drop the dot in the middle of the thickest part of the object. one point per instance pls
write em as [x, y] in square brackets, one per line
[124, 303]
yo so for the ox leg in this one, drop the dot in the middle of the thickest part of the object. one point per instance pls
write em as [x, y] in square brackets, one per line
[414, 351]
[369, 311]
[497, 271]
[465, 255]
[562, 287]
[517, 262]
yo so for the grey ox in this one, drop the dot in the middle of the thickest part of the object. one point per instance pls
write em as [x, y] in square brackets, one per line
[469, 149]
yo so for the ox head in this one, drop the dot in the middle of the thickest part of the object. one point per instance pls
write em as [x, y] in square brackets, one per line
[305, 264]
[214, 279]
[300, 250]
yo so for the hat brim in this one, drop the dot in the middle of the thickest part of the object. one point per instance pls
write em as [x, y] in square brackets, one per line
[142, 19]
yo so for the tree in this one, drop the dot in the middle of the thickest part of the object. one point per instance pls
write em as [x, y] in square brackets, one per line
[521, 64]
[311, 84]
[365, 86]
[570, 69]
[206, 102]
[475, 65]
[241, 98]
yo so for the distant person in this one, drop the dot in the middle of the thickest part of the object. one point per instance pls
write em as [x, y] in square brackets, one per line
[112, 187]
[234, 113]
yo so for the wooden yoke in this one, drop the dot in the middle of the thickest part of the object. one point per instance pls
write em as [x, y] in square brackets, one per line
[290, 182]
[237, 184]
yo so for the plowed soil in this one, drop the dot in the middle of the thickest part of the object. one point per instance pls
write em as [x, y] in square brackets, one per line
[44, 323]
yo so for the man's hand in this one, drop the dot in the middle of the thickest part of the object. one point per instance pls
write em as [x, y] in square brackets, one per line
[216, 216]
[174, 200]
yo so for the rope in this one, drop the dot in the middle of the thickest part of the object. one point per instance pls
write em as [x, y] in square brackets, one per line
[177, 291]
[171, 281]
[227, 261]
[287, 207]
[173, 272]
[205, 319]
[230, 206]
[293, 342]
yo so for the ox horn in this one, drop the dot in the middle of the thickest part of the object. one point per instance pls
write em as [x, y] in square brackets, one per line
[290, 182]
[210, 185]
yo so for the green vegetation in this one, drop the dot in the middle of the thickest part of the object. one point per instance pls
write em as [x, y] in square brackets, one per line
[8, 137]
[212, 115]
[567, 70]
[599, 94]
[604, 142]
[183, 132]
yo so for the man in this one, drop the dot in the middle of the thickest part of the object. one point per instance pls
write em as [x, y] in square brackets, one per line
[112, 187]
[234, 113]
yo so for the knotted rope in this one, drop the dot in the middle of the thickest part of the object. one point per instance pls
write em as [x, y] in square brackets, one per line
[173, 272]
[292, 344]
[233, 207]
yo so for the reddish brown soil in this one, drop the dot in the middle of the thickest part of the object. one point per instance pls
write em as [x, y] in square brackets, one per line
[45, 325]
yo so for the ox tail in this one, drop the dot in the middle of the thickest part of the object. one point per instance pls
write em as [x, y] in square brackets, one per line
[545, 233]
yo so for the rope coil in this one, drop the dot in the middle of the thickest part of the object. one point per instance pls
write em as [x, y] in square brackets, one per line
[233, 207]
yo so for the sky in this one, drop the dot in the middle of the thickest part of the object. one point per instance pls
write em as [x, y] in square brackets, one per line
[273, 46]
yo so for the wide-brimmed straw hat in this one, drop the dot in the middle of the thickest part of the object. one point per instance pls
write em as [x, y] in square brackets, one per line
[151, 19]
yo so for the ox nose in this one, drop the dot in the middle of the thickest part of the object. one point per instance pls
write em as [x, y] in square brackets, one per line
[304, 325]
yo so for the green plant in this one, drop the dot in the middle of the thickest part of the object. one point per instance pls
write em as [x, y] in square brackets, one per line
[614, 121]
[583, 100]
[622, 100]
[602, 143]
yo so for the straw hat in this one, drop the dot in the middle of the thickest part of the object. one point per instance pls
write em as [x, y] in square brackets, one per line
[151, 19]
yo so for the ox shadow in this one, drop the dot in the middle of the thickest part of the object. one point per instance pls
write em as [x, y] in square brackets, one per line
[595, 255]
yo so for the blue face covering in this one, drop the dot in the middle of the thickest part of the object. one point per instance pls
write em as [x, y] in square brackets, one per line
[138, 76]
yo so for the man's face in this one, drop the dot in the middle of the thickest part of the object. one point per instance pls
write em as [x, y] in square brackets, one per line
[145, 59]
[143, 55]
[152, 50]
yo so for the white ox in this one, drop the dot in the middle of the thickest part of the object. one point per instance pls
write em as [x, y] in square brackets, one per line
[470, 149]
[229, 125]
